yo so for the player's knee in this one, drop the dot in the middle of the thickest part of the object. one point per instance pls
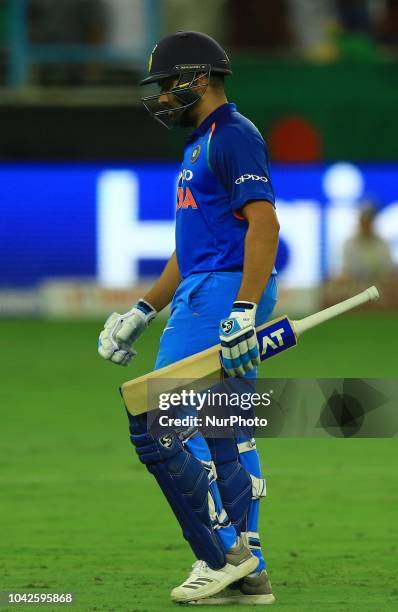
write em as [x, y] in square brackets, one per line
[147, 447]
[169, 451]
[234, 483]
[152, 450]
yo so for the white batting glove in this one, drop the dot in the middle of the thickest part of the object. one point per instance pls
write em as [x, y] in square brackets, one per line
[121, 331]
[239, 346]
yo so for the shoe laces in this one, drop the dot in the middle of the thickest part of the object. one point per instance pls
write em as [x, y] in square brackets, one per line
[199, 567]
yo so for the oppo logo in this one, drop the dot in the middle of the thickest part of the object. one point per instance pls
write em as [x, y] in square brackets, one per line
[186, 175]
[250, 177]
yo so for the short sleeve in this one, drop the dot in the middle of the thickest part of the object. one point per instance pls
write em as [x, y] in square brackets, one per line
[239, 159]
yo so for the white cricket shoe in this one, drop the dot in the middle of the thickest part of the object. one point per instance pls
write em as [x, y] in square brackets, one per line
[252, 590]
[204, 582]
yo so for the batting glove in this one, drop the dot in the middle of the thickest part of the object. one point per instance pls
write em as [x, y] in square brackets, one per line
[239, 346]
[121, 331]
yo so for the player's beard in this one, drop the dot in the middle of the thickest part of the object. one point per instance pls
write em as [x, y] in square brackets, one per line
[182, 117]
[187, 118]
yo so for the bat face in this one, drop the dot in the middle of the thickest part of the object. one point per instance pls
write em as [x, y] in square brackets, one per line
[275, 337]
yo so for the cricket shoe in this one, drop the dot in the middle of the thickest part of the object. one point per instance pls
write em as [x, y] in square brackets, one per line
[204, 582]
[251, 590]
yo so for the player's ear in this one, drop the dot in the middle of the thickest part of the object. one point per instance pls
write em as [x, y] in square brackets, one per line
[203, 80]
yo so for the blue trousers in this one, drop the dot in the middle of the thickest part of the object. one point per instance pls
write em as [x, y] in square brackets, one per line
[200, 302]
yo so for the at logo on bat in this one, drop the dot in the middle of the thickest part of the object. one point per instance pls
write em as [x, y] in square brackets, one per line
[274, 340]
[276, 337]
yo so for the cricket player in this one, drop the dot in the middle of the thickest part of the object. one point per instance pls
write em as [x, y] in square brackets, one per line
[221, 284]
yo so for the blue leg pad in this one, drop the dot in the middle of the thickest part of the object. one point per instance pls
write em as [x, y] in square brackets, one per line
[184, 482]
[250, 460]
[234, 483]
[199, 448]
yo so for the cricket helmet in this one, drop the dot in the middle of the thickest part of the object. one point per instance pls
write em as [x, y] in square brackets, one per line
[185, 56]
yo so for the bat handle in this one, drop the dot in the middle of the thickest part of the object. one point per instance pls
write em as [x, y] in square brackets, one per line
[369, 295]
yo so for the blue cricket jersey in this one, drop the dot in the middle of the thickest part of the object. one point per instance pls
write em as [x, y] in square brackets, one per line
[225, 166]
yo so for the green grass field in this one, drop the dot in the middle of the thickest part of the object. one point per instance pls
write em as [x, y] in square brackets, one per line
[78, 513]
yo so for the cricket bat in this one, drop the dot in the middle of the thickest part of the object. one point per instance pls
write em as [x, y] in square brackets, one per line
[273, 337]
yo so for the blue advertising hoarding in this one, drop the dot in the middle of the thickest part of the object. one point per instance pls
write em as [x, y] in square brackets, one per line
[115, 223]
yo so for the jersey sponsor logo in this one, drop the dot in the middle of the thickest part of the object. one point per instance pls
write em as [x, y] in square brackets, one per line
[250, 177]
[185, 198]
[185, 175]
[195, 153]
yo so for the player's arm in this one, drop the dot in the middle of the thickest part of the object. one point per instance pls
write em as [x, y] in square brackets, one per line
[240, 161]
[165, 287]
[237, 333]
[261, 243]
[122, 330]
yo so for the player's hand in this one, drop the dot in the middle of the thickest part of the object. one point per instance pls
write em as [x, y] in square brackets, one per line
[239, 346]
[121, 331]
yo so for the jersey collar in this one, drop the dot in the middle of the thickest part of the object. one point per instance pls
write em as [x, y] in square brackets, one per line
[222, 111]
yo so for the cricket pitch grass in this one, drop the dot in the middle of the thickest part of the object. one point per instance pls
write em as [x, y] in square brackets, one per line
[80, 514]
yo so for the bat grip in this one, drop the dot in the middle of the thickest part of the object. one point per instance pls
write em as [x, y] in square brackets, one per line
[369, 295]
